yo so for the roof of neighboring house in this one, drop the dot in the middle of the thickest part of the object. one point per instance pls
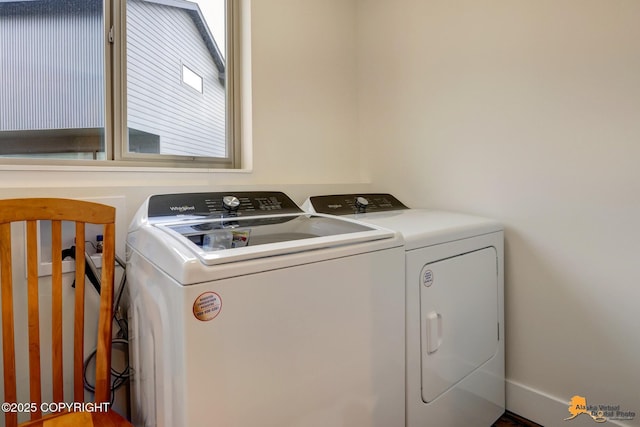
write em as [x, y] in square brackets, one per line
[189, 7]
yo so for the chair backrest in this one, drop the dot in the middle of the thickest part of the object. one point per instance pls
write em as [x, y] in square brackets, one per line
[30, 211]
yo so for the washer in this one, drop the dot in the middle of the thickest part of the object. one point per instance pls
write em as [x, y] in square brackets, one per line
[454, 307]
[246, 311]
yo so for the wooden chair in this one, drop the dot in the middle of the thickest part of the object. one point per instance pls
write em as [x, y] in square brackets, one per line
[29, 211]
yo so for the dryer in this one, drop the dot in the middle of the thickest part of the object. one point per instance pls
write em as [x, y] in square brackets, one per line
[454, 307]
[246, 311]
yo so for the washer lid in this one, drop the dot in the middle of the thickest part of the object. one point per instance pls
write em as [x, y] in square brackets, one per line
[223, 240]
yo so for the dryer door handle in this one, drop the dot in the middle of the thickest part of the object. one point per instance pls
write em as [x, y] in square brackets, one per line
[434, 332]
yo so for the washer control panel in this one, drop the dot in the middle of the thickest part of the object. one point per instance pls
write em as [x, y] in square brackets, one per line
[348, 204]
[233, 203]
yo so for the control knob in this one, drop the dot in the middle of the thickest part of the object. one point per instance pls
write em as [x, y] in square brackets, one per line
[231, 203]
[361, 204]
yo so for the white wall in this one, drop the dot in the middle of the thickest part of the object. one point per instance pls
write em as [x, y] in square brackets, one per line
[304, 91]
[528, 112]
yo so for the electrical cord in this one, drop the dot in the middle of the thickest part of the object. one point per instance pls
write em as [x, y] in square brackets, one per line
[119, 378]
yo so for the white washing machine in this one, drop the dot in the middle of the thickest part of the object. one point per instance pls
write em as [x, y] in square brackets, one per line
[454, 304]
[245, 311]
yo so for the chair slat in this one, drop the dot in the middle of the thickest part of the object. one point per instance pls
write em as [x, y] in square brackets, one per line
[8, 339]
[78, 329]
[56, 310]
[103, 365]
[35, 391]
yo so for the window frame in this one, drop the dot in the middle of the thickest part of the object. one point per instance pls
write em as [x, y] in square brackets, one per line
[120, 140]
[115, 91]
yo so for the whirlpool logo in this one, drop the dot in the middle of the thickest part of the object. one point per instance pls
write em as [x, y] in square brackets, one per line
[182, 209]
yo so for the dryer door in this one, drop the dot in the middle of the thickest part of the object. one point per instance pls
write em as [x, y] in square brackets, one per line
[458, 317]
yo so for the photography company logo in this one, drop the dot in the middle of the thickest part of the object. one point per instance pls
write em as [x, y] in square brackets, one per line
[599, 413]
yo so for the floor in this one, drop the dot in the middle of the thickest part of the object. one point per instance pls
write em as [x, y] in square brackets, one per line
[510, 419]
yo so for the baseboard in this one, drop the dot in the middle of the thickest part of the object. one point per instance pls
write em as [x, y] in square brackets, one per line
[542, 408]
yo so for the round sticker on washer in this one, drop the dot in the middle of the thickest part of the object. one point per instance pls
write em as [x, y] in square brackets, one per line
[427, 278]
[207, 306]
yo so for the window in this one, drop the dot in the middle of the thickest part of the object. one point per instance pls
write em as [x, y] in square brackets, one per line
[151, 82]
[191, 78]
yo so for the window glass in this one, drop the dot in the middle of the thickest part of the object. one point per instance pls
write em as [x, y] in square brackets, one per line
[191, 78]
[173, 48]
[52, 97]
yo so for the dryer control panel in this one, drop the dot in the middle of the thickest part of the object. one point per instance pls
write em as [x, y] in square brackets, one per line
[348, 204]
[238, 203]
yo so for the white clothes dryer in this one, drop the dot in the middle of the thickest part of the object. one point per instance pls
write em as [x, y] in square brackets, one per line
[246, 311]
[454, 305]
